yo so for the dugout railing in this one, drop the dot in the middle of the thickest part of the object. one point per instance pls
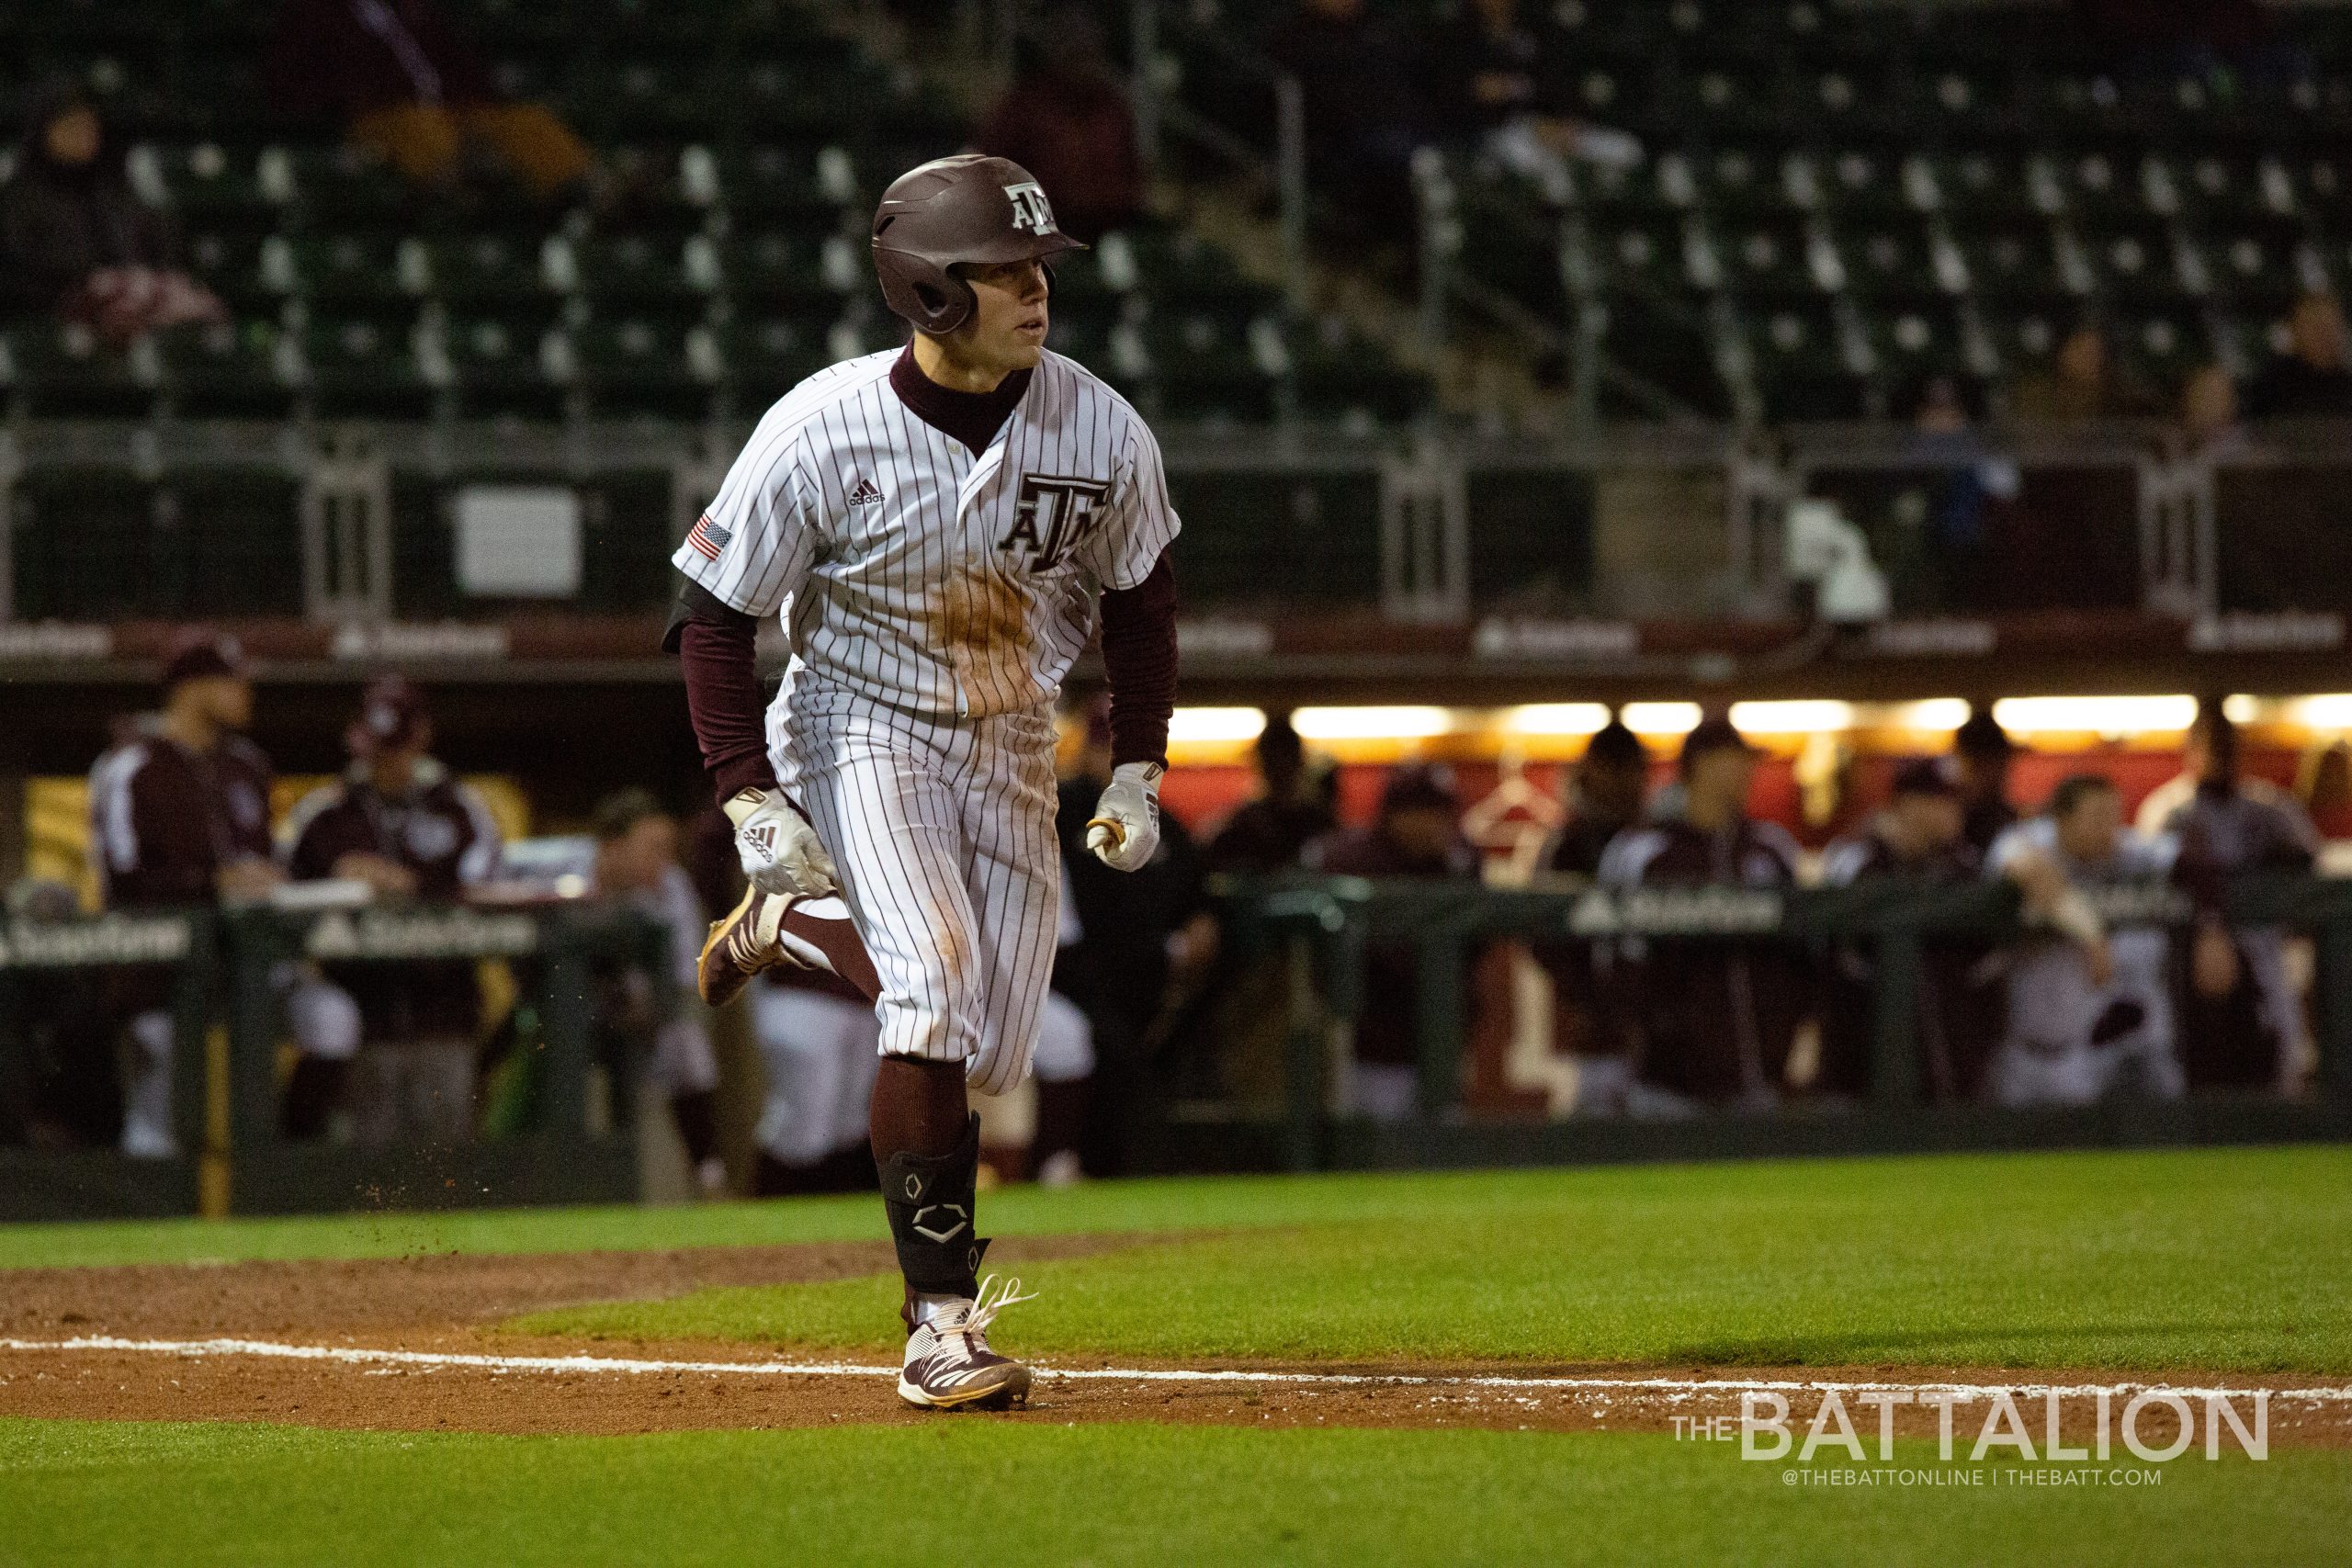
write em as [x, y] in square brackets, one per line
[1320, 929]
[569, 1134]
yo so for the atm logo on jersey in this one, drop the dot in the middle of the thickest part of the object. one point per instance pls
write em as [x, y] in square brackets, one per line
[1052, 516]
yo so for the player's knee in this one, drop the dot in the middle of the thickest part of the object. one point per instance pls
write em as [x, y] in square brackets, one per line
[925, 1026]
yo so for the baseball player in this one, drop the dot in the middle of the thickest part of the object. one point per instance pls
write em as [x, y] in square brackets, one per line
[936, 526]
[2090, 1009]
[179, 815]
[399, 823]
[635, 861]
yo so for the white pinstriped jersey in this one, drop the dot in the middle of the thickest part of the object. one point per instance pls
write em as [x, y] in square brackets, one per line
[915, 574]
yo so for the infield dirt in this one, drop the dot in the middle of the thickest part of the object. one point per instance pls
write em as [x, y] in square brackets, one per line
[451, 1304]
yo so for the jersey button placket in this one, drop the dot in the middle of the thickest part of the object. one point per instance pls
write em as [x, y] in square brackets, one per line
[973, 542]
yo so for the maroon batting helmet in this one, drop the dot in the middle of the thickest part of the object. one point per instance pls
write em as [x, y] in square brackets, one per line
[966, 209]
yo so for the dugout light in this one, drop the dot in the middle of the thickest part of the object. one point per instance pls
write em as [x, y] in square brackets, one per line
[1210, 725]
[2331, 710]
[1371, 723]
[2094, 716]
[1930, 714]
[1660, 718]
[1555, 719]
[1825, 717]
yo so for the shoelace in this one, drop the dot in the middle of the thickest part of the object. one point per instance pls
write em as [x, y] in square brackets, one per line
[973, 1323]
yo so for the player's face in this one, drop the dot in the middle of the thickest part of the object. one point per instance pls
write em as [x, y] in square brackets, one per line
[2089, 831]
[1723, 778]
[639, 857]
[1006, 333]
[1424, 833]
[227, 700]
[1930, 821]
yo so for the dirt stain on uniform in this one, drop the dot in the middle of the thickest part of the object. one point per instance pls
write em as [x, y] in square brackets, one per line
[980, 618]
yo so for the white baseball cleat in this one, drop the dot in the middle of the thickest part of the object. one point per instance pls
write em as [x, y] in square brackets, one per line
[949, 1365]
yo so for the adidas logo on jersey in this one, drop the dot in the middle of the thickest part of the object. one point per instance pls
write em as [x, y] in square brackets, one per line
[865, 492]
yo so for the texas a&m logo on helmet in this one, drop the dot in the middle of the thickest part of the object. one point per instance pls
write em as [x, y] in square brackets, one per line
[1031, 210]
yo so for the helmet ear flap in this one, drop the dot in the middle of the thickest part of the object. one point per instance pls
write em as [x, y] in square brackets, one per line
[956, 301]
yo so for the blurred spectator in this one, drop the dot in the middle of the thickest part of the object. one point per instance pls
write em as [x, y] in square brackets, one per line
[397, 78]
[1365, 114]
[1605, 795]
[1486, 90]
[2210, 425]
[398, 823]
[1290, 811]
[637, 862]
[2243, 1021]
[1982, 755]
[2084, 384]
[2208, 752]
[1714, 1020]
[1144, 935]
[1916, 837]
[2323, 785]
[180, 817]
[1976, 487]
[75, 239]
[1415, 835]
[2090, 1012]
[2311, 380]
[1066, 120]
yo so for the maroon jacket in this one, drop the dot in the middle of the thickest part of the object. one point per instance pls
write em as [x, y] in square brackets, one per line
[441, 832]
[1715, 1019]
[166, 819]
[1960, 1010]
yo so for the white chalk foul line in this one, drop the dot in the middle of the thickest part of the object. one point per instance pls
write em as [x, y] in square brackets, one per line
[356, 1355]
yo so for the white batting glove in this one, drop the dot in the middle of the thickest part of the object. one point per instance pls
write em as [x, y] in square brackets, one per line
[778, 848]
[1124, 829]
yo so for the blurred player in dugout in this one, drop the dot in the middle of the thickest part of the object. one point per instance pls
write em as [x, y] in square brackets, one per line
[401, 824]
[1920, 838]
[179, 816]
[1417, 834]
[635, 863]
[1713, 1023]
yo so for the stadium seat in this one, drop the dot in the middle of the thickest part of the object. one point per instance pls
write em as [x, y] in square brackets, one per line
[382, 364]
[235, 369]
[640, 365]
[67, 371]
[519, 363]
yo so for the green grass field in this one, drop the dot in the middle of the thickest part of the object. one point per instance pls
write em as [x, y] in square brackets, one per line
[971, 1492]
[2231, 1261]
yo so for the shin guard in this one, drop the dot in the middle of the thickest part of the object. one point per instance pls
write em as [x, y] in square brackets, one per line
[929, 1199]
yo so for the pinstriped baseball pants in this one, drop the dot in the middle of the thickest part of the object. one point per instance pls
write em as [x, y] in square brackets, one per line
[943, 834]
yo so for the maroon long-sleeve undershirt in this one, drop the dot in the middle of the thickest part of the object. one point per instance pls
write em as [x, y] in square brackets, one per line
[724, 701]
[1139, 660]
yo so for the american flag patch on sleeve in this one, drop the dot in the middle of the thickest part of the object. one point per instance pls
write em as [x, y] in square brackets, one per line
[708, 538]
